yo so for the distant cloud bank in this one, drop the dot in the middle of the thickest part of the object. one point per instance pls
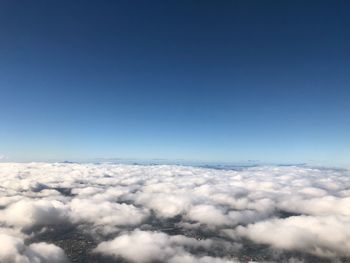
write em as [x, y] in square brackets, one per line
[169, 213]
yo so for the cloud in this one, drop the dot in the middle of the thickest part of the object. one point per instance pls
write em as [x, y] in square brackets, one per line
[28, 213]
[192, 259]
[13, 250]
[327, 236]
[176, 204]
[106, 213]
[208, 214]
[177, 213]
[144, 246]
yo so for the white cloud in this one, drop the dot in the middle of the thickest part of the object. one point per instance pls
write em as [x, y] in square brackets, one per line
[106, 213]
[139, 246]
[308, 207]
[165, 205]
[13, 250]
[208, 214]
[193, 259]
[323, 236]
[145, 246]
[27, 213]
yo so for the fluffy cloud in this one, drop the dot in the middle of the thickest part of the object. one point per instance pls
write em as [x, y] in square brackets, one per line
[13, 250]
[176, 213]
[323, 236]
[192, 259]
[176, 204]
[144, 246]
[106, 213]
[208, 214]
[28, 213]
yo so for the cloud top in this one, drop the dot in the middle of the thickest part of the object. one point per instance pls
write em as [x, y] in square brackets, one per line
[169, 213]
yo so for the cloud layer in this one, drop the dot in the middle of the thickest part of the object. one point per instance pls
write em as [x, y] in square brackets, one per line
[168, 213]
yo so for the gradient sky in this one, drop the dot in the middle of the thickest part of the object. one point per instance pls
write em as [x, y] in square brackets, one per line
[195, 80]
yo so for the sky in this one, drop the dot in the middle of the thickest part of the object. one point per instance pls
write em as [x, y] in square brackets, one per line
[216, 81]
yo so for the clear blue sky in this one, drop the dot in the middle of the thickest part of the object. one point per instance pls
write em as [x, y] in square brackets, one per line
[195, 80]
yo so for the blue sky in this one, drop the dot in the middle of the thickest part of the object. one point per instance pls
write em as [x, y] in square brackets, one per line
[196, 80]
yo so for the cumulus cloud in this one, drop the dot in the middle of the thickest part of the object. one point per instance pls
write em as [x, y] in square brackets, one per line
[28, 213]
[144, 246]
[172, 213]
[208, 214]
[176, 204]
[327, 236]
[192, 259]
[13, 250]
[106, 213]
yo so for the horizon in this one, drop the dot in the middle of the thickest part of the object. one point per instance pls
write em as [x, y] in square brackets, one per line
[164, 161]
[178, 162]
